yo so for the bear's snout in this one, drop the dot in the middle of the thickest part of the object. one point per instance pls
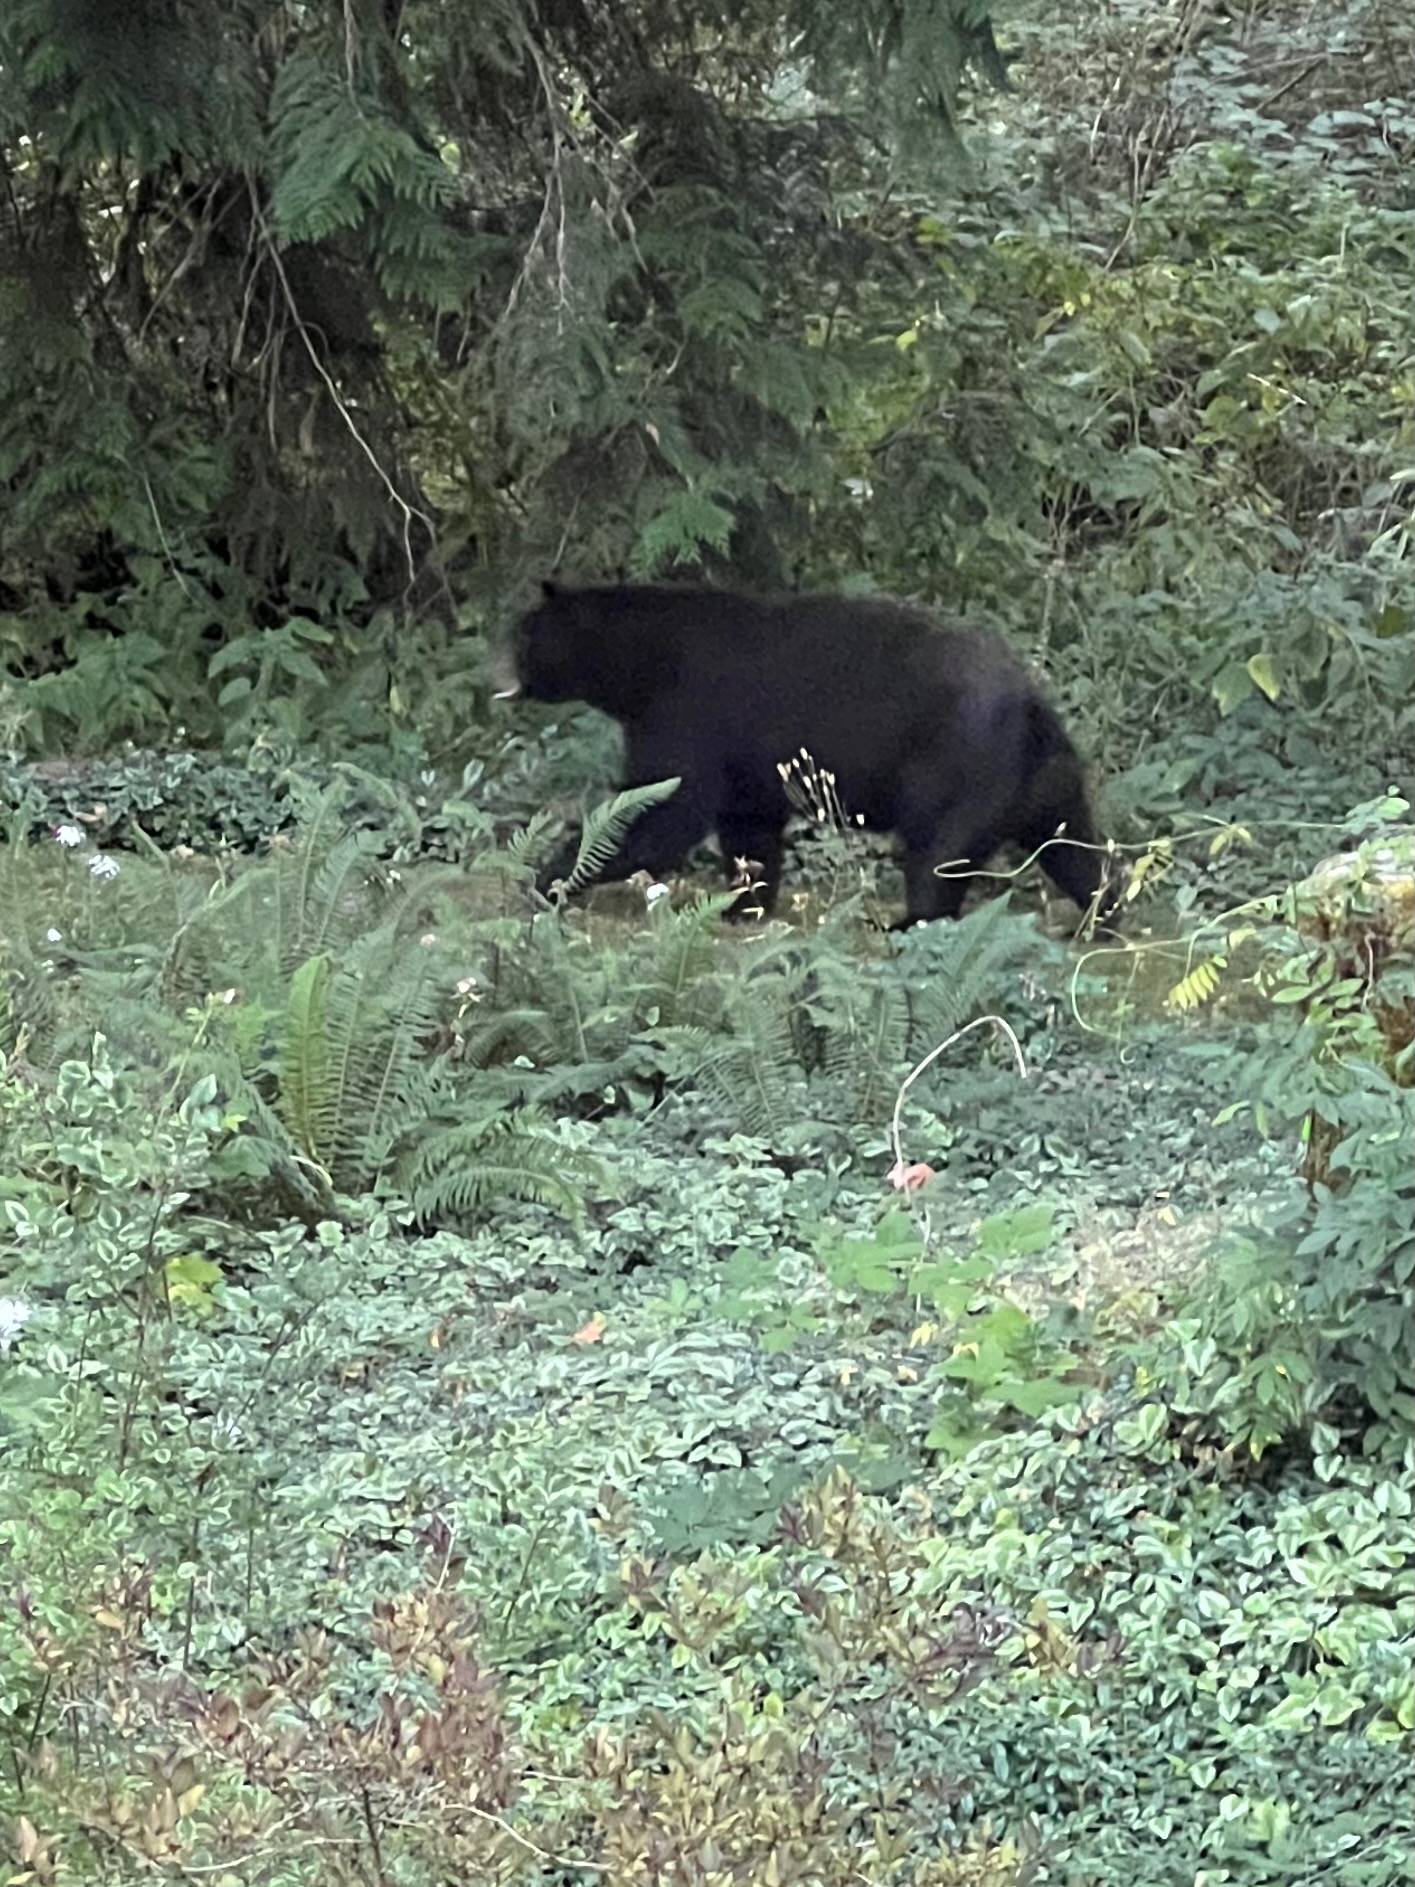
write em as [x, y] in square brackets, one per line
[502, 674]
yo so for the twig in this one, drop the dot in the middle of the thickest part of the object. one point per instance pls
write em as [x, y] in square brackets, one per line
[1290, 85]
[408, 511]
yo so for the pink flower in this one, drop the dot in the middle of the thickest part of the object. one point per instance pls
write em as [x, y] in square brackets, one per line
[910, 1178]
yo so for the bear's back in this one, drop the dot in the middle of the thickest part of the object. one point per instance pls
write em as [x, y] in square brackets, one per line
[820, 641]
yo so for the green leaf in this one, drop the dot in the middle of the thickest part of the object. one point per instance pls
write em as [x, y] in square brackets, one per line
[1260, 668]
[1232, 685]
[306, 1087]
[1036, 1397]
[189, 1280]
[1017, 1234]
[295, 662]
[1140, 1432]
[1135, 348]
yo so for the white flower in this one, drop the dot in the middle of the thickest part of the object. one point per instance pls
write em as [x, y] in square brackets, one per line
[13, 1317]
[68, 835]
[428, 777]
[53, 936]
[655, 894]
[102, 866]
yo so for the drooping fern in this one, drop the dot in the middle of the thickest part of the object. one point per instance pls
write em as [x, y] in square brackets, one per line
[686, 520]
[307, 1104]
[30, 1010]
[196, 954]
[564, 1023]
[812, 1035]
[324, 888]
[950, 971]
[678, 974]
[759, 1078]
[577, 1016]
[865, 1021]
[459, 1168]
[387, 1080]
[264, 1153]
[354, 1074]
[605, 827]
[749, 1064]
[343, 161]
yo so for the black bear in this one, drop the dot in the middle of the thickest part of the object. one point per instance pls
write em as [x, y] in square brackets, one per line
[933, 730]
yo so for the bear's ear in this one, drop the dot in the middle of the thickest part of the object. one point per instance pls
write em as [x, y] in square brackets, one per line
[549, 589]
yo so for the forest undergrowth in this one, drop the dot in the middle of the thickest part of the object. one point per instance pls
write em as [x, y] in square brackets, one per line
[502, 1390]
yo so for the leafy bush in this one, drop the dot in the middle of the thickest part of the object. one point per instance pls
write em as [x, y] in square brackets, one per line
[169, 799]
[1077, 1633]
[1308, 1316]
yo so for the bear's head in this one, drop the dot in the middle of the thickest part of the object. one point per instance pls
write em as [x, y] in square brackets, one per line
[621, 648]
[612, 645]
[551, 651]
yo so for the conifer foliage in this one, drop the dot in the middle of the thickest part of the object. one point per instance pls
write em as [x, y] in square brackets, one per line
[305, 311]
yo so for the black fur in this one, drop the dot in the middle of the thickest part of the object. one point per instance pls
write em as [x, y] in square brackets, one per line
[933, 730]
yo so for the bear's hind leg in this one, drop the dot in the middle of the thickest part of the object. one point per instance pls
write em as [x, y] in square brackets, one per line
[962, 847]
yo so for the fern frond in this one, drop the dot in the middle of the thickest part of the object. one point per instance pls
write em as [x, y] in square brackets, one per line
[605, 827]
[333, 894]
[867, 1043]
[951, 969]
[306, 1081]
[687, 521]
[386, 1082]
[506, 1033]
[524, 849]
[305, 1185]
[457, 1169]
[756, 1076]
[680, 982]
[30, 1011]
[337, 151]
[194, 957]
